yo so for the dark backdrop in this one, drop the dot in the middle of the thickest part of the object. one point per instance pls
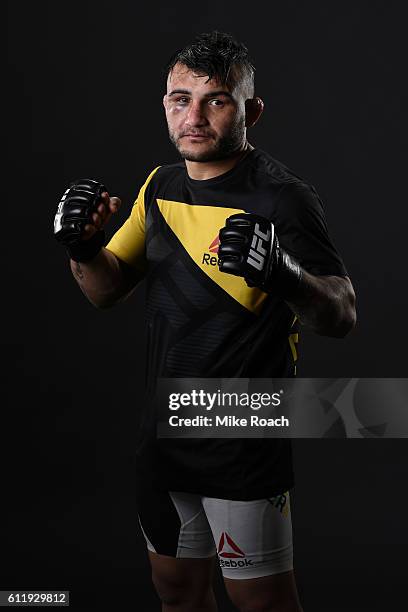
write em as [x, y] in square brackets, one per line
[84, 92]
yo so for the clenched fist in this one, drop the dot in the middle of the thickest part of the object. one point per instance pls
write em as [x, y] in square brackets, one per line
[249, 247]
[82, 213]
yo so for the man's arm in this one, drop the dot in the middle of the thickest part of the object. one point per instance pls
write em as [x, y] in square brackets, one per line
[325, 304]
[249, 247]
[105, 280]
[106, 275]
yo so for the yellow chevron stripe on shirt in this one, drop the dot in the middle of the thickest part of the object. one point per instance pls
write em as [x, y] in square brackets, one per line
[197, 227]
[129, 241]
[293, 340]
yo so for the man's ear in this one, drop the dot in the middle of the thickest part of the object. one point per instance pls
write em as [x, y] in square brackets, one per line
[164, 100]
[253, 110]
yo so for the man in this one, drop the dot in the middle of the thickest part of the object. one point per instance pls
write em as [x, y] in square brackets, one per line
[231, 316]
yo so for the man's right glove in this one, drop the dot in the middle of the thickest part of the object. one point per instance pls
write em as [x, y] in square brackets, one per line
[249, 247]
[75, 211]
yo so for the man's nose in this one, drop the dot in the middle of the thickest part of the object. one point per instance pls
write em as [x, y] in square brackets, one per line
[196, 115]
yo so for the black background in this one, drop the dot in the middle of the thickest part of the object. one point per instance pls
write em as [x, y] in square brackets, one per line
[84, 100]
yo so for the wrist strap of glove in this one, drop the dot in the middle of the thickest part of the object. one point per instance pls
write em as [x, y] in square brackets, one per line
[286, 274]
[85, 250]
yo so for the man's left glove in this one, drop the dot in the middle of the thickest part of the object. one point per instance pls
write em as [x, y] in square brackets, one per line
[249, 247]
[74, 211]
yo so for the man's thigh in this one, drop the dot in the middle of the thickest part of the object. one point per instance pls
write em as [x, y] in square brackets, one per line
[274, 592]
[181, 579]
[255, 551]
[174, 524]
[180, 546]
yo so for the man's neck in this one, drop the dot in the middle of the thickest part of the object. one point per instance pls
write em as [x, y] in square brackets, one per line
[201, 171]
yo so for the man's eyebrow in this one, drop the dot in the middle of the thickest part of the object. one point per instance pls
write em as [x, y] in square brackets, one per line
[219, 92]
[209, 94]
[179, 91]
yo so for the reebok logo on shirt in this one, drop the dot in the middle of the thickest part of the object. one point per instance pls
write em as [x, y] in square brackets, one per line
[214, 245]
[211, 260]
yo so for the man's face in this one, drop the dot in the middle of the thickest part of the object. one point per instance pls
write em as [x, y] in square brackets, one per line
[206, 120]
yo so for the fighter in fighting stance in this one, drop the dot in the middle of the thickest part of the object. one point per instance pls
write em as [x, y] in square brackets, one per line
[236, 255]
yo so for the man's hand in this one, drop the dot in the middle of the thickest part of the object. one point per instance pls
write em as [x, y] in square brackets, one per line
[250, 248]
[82, 213]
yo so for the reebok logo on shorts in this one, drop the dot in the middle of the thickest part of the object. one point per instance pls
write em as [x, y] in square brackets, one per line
[228, 549]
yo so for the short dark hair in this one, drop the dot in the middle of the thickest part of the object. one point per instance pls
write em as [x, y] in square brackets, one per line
[218, 55]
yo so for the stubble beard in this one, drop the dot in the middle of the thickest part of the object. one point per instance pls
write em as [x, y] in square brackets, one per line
[223, 148]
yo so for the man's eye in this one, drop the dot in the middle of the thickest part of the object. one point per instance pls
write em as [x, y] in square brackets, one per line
[182, 100]
[216, 102]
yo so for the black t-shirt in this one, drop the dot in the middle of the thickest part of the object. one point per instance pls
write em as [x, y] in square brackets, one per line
[205, 323]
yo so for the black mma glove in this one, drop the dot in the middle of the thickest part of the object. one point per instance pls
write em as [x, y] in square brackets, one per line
[250, 248]
[74, 211]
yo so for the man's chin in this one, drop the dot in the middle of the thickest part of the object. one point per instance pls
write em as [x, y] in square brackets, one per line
[197, 157]
[207, 155]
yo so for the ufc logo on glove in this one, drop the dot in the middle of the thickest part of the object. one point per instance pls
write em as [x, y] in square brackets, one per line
[257, 252]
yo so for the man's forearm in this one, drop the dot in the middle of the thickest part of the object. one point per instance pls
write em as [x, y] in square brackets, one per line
[325, 304]
[102, 279]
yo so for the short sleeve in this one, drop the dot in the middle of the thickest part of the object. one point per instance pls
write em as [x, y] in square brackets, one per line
[128, 243]
[301, 228]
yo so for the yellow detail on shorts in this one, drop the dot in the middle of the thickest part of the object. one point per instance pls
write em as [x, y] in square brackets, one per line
[281, 503]
[197, 227]
[286, 508]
